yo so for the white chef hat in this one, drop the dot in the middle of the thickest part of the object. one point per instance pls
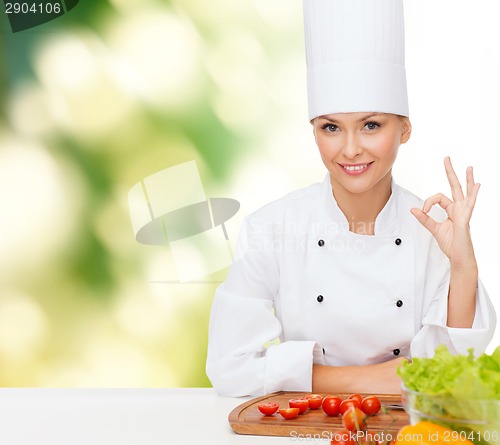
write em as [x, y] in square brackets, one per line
[355, 52]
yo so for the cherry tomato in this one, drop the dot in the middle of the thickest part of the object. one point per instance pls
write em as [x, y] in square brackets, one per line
[301, 404]
[268, 408]
[354, 419]
[347, 403]
[357, 397]
[331, 405]
[370, 405]
[315, 400]
[343, 437]
[289, 413]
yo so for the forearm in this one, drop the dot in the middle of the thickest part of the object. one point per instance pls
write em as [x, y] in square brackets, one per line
[379, 378]
[462, 295]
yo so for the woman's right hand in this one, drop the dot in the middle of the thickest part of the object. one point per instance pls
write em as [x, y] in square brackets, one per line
[380, 378]
[385, 377]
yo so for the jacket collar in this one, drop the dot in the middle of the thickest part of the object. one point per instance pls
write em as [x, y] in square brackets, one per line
[386, 223]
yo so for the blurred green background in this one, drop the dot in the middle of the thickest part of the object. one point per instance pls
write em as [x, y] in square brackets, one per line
[116, 90]
[93, 102]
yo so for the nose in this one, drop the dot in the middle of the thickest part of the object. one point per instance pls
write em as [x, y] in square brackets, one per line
[352, 147]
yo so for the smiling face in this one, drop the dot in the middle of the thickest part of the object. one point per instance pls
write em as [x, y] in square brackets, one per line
[359, 149]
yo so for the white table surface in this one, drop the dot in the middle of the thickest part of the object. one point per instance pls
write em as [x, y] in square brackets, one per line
[180, 416]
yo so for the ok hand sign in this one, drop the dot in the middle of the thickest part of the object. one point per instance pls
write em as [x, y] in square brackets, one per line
[453, 234]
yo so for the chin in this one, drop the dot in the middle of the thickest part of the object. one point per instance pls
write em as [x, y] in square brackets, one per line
[357, 190]
[354, 185]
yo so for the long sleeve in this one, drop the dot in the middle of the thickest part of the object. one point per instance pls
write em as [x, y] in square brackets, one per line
[247, 354]
[433, 330]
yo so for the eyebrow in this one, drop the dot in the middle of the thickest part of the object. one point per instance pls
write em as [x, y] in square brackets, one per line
[358, 121]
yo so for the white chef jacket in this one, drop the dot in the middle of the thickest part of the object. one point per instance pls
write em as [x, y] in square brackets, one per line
[303, 289]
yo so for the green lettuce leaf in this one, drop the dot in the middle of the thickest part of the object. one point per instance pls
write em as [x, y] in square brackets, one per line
[459, 391]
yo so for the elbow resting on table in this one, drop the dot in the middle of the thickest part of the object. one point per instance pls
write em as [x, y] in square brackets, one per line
[228, 381]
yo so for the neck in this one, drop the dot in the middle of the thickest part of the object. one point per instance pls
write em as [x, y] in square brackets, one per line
[361, 209]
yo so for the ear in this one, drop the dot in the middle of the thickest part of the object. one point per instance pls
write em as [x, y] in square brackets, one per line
[406, 133]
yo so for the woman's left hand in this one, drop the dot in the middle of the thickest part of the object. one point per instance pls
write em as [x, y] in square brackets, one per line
[453, 234]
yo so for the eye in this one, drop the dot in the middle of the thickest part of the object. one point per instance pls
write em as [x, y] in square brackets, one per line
[330, 128]
[372, 125]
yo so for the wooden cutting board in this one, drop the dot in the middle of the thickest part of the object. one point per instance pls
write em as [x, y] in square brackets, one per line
[247, 419]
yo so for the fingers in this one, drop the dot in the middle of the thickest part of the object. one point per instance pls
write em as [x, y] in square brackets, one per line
[469, 174]
[425, 220]
[440, 199]
[456, 188]
[464, 206]
[472, 187]
[471, 199]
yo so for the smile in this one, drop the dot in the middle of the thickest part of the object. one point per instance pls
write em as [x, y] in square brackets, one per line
[356, 169]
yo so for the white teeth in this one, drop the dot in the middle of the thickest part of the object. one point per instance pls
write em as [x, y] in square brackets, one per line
[355, 167]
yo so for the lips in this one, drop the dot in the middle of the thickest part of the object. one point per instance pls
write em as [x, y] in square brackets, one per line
[355, 169]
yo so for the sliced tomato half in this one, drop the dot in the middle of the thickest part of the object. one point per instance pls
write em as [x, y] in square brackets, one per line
[269, 408]
[289, 413]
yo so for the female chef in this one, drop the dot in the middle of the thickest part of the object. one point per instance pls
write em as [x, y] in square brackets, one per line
[334, 285]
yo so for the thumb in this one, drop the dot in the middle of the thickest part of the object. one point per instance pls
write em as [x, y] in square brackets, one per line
[425, 220]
